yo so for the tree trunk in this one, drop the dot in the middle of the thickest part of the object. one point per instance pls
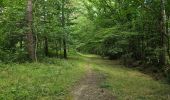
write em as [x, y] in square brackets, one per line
[163, 33]
[65, 48]
[30, 38]
[46, 46]
[60, 48]
[56, 48]
[63, 25]
[168, 41]
[45, 37]
[36, 47]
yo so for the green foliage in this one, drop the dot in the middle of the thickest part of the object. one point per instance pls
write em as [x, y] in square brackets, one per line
[121, 28]
[46, 24]
[7, 56]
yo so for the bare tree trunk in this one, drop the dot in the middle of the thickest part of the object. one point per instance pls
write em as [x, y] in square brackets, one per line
[163, 34]
[56, 48]
[30, 38]
[36, 47]
[168, 41]
[60, 48]
[46, 46]
[63, 25]
[65, 48]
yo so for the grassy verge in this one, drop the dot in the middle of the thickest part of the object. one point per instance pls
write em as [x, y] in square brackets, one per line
[128, 84]
[49, 80]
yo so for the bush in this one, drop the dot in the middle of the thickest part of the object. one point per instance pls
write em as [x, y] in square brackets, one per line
[7, 56]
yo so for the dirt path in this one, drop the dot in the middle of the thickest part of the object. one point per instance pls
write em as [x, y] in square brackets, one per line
[88, 88]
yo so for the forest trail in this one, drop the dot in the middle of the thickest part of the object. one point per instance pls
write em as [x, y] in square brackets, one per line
[88, 88]
[109, 80]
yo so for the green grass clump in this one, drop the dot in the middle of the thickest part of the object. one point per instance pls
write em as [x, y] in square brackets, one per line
[49, 80]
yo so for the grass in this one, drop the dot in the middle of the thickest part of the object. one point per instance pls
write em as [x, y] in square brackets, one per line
[129, 84]
[50, 80]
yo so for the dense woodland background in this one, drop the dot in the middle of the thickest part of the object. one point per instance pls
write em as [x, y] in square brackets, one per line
[134, 31]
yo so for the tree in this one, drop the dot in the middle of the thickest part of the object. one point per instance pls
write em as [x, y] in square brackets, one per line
[163, 33]
[63, 26]
[30, 37]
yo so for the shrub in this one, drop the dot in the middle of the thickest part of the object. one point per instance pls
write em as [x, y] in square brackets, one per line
[7, 56]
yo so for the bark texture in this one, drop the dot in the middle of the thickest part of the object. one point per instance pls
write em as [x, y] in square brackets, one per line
[30, 37]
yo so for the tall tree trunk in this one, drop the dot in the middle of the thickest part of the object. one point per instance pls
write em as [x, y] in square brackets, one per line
[36, 47]
[65, 48]
[163, 34]
[46, 52]
[60, 48]
[63, 25]
[168, 41]
[46, 46]
[56, 48]
[30, 38]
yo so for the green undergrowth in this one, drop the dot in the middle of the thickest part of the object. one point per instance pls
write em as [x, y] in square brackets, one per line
[128, 84]
[51, 79]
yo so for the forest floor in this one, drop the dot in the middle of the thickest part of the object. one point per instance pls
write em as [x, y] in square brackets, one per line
[81, 77]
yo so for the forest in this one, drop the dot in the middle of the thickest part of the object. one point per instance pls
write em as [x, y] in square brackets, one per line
[84, 49]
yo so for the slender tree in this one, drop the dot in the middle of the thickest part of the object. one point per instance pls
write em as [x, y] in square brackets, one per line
[163, 33]
[30, 38]
[63, 26]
